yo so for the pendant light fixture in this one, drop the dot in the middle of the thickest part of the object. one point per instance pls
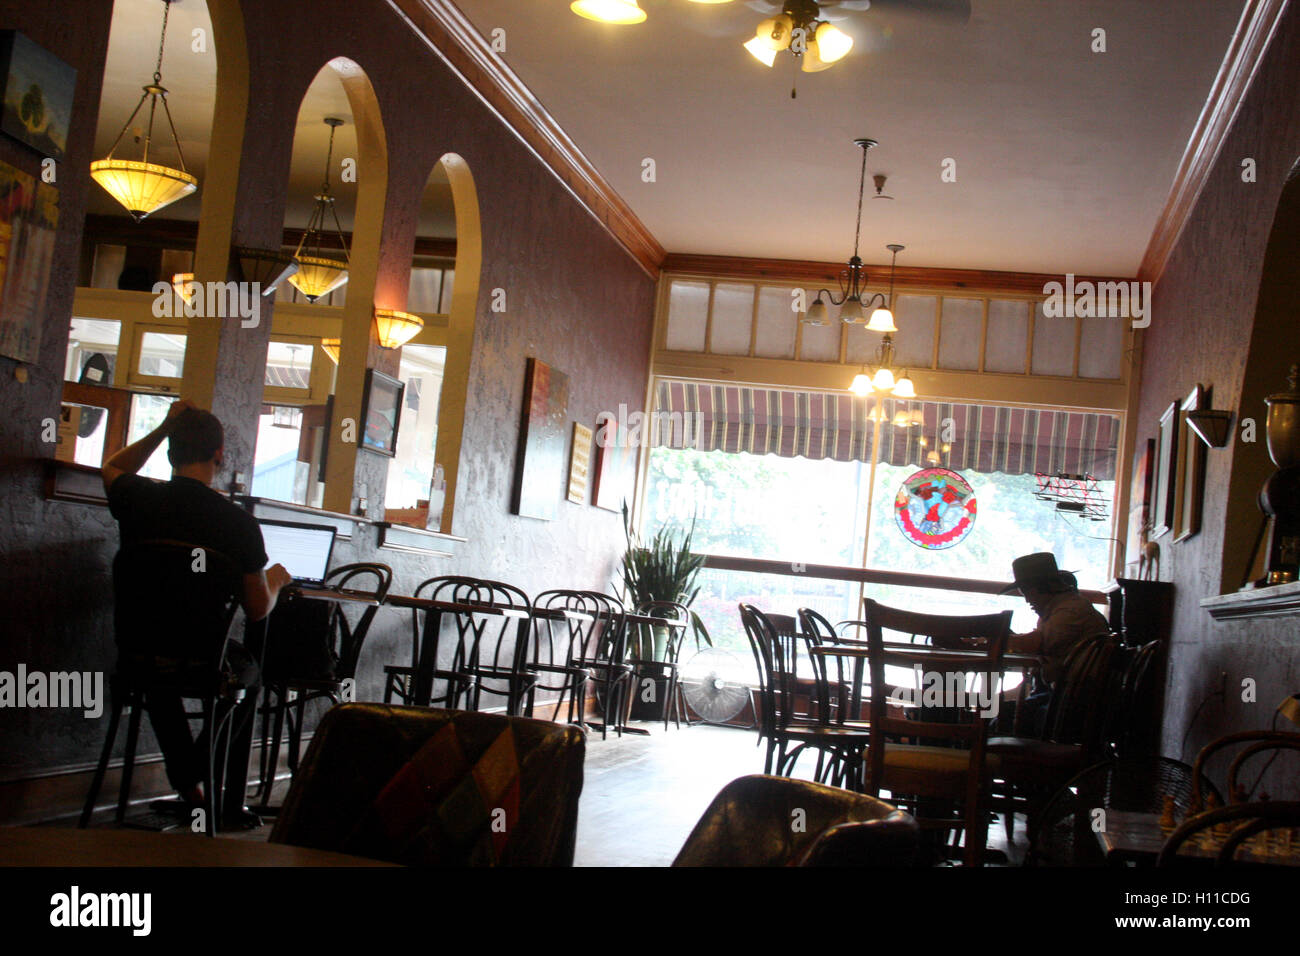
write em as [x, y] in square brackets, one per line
[140, 186]
[331, 348]
[396, 328]
[853, 279]
[319, 273]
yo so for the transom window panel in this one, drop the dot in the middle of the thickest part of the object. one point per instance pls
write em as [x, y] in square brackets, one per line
[959, 333]
[959, 337]
[1007, 338]
[733, 318]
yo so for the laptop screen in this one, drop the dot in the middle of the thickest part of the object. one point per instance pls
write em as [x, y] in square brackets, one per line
[303, 549]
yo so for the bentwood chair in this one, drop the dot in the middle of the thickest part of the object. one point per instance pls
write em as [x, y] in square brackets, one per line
[487, 655]
[173, 606]
[644, 649]
[1253, 743]
[288, 693]
[796, 703]
[563, 623]
[953, 768]
[421, 786]
[775, 821]
[605, 658]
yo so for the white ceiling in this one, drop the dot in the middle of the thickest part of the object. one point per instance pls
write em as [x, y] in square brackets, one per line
[1064, 157]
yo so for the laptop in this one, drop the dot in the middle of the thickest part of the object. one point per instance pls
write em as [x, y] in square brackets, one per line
[303, 549]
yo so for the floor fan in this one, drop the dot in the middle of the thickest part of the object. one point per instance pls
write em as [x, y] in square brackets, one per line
[710, 684]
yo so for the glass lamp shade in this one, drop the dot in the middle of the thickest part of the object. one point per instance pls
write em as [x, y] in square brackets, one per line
[904, 388]
[851, 310]
[861, 385]
[832, 43]
[317, 277]
[812, 60]
[331, 348]
[183, 283]
[816, 314]
[396, 328]
[775, 33]
[710, 1]
[142, 188]
[760, 52]
[883, 380]
[608, 11]
[882, 320]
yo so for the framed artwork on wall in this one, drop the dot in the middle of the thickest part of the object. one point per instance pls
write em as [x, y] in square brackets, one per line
[1191, 468]
[615, 477]
[29, 217]
[1139, 496]
[1164, 482]
[539, 461]
[38, 93]
[381, 407]
[579, 463]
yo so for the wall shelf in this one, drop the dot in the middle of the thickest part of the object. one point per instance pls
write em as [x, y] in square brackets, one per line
[1279, 600]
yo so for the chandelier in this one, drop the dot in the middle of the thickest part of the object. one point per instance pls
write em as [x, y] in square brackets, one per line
[881, 378]
[140, 186]
[320, 274]
[816, 44]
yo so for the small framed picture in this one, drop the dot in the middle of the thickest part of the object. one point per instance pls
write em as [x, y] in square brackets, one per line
[381, 411]
[1166, 473]
[38, 92]
[1191, 469]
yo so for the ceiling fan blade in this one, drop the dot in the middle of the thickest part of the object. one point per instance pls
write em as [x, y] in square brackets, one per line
[765, 8]
[949, 9]
[848, 4]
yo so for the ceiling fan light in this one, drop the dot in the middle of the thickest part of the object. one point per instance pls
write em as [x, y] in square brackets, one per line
[609, 11]
[905, 389]
[851, 310]
[760, 52]
[832, 43]
[774, 33]
[883, 380]
[816, 314]
[882, 320]
[861, 385]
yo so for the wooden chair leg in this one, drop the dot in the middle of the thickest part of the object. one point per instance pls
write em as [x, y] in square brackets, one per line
[101, 768]
[128, 758]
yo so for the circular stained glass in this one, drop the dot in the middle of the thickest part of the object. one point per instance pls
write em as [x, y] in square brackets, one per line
[935, 508]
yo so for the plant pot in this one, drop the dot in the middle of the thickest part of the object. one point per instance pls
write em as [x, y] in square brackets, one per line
[651, 681]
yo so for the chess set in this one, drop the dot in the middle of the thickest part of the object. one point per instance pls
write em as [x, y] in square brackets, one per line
[1278, 845]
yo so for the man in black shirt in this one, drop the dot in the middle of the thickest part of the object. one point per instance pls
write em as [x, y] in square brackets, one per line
[187, 509]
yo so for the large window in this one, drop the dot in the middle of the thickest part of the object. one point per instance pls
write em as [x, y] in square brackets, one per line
[411, 472]
[787, 476]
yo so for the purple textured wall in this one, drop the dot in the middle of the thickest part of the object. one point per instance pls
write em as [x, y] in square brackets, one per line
[575, 300]
[1201, 332]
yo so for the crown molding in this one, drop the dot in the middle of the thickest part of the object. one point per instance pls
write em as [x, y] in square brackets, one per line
[450, 34]
[1259, 22]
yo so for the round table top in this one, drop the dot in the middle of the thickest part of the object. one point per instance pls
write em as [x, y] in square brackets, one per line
[58, 846]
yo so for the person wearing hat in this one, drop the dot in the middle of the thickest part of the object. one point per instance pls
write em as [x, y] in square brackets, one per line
[1065, 617]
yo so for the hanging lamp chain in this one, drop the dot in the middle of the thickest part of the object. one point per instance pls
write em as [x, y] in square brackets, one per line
[153, 93]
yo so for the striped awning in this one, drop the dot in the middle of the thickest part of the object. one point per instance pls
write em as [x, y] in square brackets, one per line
[840, 426]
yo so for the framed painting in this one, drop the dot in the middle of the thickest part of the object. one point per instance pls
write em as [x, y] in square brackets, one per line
[539, 459]
[38, 93]
[29, 218]
[1139, 498]
[1191, 468]
[381, 409]
[579, 463]
[1165, 480]
[615, 476]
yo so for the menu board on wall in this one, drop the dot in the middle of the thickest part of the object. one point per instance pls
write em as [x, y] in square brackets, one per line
[29, 217]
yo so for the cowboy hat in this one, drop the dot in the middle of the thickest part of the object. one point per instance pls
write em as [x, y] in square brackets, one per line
[1038, 570]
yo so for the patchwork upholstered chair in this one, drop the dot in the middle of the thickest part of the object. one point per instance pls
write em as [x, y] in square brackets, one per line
[421, 786]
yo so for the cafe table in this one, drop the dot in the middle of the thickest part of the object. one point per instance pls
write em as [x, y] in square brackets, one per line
[424, 650]
[60, 846]
[1130, 838]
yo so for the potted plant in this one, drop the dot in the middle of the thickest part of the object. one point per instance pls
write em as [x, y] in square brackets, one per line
[661, 569]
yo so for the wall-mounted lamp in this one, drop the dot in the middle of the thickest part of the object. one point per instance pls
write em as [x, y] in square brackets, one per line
[1211, 425]
[396, 328]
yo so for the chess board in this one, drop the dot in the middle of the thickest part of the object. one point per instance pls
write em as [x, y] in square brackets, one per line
[1138, 837]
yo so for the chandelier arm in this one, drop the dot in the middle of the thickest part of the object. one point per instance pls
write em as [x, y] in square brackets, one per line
[127, 125]
[175, 139]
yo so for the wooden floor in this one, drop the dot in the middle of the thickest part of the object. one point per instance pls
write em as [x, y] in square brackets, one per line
[642, 795]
